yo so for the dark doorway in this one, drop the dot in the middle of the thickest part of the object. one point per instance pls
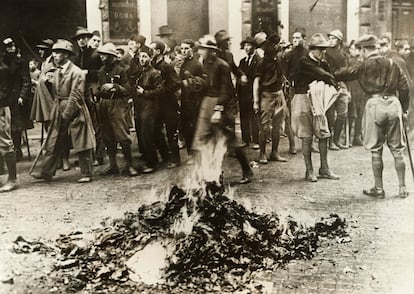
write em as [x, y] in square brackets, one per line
[28, 21]
[188, 21]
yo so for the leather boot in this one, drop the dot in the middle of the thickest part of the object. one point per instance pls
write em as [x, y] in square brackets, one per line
[10, 159]
[2, 168]
[17, 142]
[332, 145]
[113, 166]
[129, 169]
[307, 156]
[339, 125]
[324, 171]
[274, 155]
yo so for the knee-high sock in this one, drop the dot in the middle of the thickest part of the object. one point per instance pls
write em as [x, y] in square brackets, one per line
[377, 168]
[399, 166]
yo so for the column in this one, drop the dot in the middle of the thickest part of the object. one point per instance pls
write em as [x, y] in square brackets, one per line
[284, 19]
[352, 20]
[144, 14]
[93, 16]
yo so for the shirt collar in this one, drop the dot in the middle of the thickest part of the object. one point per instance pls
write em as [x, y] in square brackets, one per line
[64, 67]
[313, 57]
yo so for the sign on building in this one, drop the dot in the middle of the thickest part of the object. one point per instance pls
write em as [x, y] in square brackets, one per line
[123, 18]
[264, 16]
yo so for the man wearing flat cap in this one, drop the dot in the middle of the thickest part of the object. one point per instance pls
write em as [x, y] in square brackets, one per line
[88, 60]
[248, 123]
[71, 124]
[134, 44]
[145, 85]
[20, 98]
[114, 109]
[310, 68]
[385, 112]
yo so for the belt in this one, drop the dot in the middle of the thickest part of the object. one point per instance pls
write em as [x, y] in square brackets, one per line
[382, 96]
[61, 98]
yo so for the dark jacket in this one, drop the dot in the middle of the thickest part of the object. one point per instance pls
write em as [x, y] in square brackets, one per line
[20, 86]
[270, 72]
[378, 75]
[217, 73]
[310, 70]
[89, 59]
[336, 58]
[116, 75]
[249, 70]
[4, 84]
[192, 72]
[290, 61]
[171, 84]
[148, 78]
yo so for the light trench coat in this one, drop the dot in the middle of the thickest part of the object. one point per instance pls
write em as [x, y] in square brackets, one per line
[69, 105]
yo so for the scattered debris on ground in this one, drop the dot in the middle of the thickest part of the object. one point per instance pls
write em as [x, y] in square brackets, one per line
[195, 240]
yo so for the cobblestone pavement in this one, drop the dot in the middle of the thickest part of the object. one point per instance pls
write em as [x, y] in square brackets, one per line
[379, 258]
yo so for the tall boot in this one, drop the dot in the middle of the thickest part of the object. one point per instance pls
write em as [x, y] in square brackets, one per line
[339, 125]
[17, 142]
[274, 155]
[324, 171]
[2, 168]
[377, 168]
[262, 144]
[307, 156]
[113, 166]
[129, 169]
[10, 159]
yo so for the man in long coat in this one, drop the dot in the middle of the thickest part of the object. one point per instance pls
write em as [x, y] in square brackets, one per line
[70, 119]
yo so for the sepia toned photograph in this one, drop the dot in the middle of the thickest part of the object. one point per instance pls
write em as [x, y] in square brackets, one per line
[206, 146]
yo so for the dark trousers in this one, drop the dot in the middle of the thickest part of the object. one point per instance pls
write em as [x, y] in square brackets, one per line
[248, 122]
[169, 149]
[52, 160]
[189, 116]
[148, 111]
[100, 147]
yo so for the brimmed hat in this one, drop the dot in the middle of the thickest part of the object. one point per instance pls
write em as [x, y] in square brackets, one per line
[96, 33]
[221, 36]
[109, 49]
[367, 41]
[63, 45]
[260, 38]
[45, 44]
[337, 34]
[165, 31]
[248, 40]
[8, 42]
[318, 40]
[285, 44]
[138, 38]
[81, 31]
[208, 42]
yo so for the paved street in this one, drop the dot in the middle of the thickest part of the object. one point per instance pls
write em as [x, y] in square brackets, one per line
[379, 258]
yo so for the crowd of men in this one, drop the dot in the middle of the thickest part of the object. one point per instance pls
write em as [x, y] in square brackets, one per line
[190, 93]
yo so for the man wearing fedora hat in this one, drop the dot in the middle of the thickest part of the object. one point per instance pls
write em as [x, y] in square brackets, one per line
[248, 123]
[89, 61]
[114, 109]
[385, 112]
[165, 35]
[311, 68]
[70, 120]
[20, 98]
[338, 113]
[216, 111]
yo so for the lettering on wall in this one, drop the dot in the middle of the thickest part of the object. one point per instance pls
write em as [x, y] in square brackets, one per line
[264, 16]
[123, 18]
